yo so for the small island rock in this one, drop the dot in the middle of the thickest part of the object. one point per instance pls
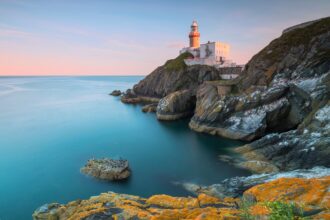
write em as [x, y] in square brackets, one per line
[116, 93]
[107, 169]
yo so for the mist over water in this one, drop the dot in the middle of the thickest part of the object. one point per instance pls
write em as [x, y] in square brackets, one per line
[50, 126]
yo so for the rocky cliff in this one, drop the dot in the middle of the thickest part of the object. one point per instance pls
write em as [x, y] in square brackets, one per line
[278, 97]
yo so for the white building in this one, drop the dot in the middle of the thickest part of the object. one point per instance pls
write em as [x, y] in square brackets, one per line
[210, 53]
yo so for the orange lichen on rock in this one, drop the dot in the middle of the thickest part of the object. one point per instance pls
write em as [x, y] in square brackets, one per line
[306, 192]
[166, 201]
[311, 194]
[259, 210]
[83, 211]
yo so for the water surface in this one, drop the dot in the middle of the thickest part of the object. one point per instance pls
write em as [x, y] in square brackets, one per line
[50, 126]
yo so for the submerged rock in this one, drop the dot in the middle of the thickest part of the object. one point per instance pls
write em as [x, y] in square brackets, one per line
[107, 169]
[116, 93]
[176, 105]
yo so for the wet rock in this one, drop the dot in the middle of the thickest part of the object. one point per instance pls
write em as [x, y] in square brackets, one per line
[115, 93]
[129, 97]
[107, 169]
[176, 105]
[150, 107]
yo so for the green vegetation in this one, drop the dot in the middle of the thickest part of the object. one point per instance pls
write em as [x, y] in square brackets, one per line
[284, 211]
[294, 38]
[245, 205]
[178, 63]
[277, 210]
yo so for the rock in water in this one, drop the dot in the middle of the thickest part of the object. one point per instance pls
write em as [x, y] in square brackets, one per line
[107, 169]
[176, 105]
[150, 108]
[115, 93]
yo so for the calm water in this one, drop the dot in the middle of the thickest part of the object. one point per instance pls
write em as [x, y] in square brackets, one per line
[50, 126]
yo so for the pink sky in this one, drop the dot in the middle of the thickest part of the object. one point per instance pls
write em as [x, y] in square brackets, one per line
[111, 38]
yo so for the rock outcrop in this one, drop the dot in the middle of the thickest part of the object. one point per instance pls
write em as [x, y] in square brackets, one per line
[173, 76]
[116, 93]
[275, 100]
[107, 169]
[150, 108]
[311, 195]
[278, 89]
[176, 105]
[235, 187]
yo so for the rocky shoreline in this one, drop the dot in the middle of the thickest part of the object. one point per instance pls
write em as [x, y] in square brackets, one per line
[308, 195]
[279, 104]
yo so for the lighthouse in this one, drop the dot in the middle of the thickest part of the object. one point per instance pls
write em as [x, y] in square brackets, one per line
[194, 35]
[210, 53]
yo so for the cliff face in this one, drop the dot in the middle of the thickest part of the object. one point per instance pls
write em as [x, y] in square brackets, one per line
[280, 86]
[173, 76]
[278, 98]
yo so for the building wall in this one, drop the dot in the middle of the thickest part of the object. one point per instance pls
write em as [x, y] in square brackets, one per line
[215, 50]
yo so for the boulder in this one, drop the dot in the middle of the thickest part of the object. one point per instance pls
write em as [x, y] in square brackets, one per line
[115, 93]
[176, 105]
[150, 107]
[107, 169]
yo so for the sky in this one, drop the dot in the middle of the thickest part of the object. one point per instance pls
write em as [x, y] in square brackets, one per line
[133, 37]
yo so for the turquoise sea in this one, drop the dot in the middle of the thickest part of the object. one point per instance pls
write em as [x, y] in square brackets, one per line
[50, 126]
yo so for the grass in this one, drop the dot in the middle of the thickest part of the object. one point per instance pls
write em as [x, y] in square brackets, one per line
[278, 210]
[178, 63]
[294, 38]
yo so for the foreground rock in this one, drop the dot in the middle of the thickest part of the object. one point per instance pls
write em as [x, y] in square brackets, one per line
[120, 206]
[116, 93]
[107, 169]
[310, 194]
[234, 187]
[176, 105]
